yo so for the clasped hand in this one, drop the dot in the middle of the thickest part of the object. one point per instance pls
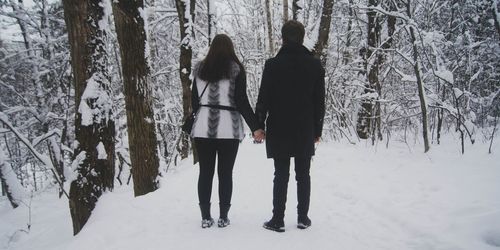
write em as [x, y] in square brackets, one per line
[259, 136]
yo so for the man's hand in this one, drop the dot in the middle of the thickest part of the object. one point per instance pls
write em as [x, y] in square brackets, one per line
[259, 136]
[317, 139]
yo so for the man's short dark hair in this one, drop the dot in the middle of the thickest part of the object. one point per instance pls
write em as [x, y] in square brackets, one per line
[292, 32]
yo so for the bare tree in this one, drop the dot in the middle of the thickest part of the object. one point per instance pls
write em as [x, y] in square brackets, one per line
[186, 19]
[297, 9]
[211, 16]
[420, 83]
[131, 34]
[7, 184]
[94, 124]
[367, 120]
[269, 27]
[285, 10]
[324, 31]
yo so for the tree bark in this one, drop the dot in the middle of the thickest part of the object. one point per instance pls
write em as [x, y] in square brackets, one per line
[94, 124]
[296, 9]
[285, 11]
[324, 31]
[186, 30]
[366, 116]
[496, 16]
[420, 84]
[210, 6]
[269, 27]
[131, 35]
[6, 189]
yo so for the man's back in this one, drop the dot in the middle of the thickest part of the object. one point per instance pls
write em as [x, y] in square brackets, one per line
[292, 95]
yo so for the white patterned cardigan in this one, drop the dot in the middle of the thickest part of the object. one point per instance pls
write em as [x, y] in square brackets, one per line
[219, 123]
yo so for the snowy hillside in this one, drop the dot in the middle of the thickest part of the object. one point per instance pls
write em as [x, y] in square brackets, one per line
[363, 197]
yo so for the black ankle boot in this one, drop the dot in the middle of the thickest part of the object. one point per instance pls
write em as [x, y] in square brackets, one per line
[206, 223]
[224, 210]
[207, 220]
[223, 222]
[275, 224]
[303, 222]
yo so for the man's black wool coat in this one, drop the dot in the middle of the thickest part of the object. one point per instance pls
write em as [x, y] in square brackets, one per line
[292, 102]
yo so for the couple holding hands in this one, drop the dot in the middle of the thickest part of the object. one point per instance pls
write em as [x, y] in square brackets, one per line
[288, 116]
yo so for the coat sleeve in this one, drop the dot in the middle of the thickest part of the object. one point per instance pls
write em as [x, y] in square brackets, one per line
[262, 107]
[319, 104]
[195, 99]
[242, 103]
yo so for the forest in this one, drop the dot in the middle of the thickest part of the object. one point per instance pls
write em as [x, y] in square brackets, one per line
[93, 93]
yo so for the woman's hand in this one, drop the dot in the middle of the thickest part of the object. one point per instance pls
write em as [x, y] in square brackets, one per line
[259, 135]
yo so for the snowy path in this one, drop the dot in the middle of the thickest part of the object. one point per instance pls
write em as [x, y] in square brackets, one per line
[362, 198]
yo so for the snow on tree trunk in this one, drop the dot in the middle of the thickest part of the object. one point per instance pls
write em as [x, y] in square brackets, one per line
[297, 9]
[324, 31]
[418, 75]
[10, 183]
[185, 11]
[132, 36]
[368, 122]
[211, 20]
[87, 23]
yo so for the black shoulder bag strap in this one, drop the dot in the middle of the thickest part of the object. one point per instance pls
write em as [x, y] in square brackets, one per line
[203, 92]
[199, 97]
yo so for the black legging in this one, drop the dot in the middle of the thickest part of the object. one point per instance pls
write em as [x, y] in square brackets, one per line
[281, 176]
[226, 150]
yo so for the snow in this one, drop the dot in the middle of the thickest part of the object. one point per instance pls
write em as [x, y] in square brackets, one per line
[103, 24]
[445, 75]
[16, 190]
[458, 93]
[363, 197]
[101, 152]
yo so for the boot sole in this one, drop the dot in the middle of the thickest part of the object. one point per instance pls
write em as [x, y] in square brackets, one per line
[279, 230]
[302, 226]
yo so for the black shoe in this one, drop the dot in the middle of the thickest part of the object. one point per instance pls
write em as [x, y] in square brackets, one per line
[303, 222]
[275, 226]
[206, 223]
[223, 222]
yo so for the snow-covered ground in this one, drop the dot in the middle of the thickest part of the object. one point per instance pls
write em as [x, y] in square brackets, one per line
[363, 197]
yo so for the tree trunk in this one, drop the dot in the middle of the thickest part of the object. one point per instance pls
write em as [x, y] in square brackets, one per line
[269, 28]
[186, 30]
[296, 9]
[496, 16]
[324, 31]
[131, 35]
[366, 116]
[94, 124]
[285, 11]
[421, 90]
[7, 174]
[210, 8]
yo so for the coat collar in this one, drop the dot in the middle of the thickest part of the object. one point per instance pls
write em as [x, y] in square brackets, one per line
[293, 49]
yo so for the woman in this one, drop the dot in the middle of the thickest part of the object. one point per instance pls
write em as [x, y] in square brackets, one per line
[219, 97]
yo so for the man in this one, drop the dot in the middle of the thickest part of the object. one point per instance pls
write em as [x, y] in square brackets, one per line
[292, 103]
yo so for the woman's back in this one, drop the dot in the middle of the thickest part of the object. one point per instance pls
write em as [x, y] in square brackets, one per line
[218, 115]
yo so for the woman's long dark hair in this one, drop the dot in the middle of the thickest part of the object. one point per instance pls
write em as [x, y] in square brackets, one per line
[217, 64]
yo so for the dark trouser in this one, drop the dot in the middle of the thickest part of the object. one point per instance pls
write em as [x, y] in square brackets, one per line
[226, 150]
[281, 176]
